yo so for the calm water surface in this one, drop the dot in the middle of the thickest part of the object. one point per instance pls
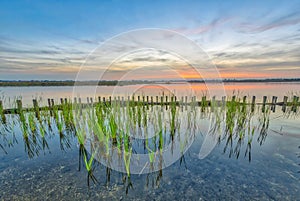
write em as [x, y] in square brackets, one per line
[243, 89]
[272, 174]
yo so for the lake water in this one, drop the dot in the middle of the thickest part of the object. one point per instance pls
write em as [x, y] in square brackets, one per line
[181, 89]
[226, 173]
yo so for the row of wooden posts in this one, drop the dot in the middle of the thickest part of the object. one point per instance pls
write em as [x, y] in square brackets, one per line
[162, 100]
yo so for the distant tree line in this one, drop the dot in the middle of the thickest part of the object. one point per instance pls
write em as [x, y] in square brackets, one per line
[132, 82]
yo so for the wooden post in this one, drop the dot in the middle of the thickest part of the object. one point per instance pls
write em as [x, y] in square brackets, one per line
[181, 104]
[253, 103]
[212, 103]
[295, 103]
[36, 108]
[156, 100]
[19, 106]
[166, 102]
[203, 103]
[264, 103]
[50, 107]
[161, 102]
[2, 112]
[223, 102]
[274, 100]
[233, 99]
[91, 100]
[66, 101]
[80, 105]
[285, 99]
[52, 102]
[87, 100]
[110, 100]
[61, 101]
[99, 99]
[186, 98]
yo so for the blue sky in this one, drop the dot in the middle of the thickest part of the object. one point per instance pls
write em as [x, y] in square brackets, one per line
[51, 39]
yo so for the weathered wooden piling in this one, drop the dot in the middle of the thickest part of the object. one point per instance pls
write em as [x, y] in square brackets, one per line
[19, 106]
[295, 103]
[264, 104]
[223, 102]
[80, 105]
[36, 108]
[284, 103]
[253, 103]
[203, 103]
[2, 112]
[274, 101]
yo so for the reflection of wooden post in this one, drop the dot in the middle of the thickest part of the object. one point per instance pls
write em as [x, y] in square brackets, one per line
[156, 100]
[284, 104]
[264, 103]
[2, 112]
[274, 100]
[253, 103]
[36, 108]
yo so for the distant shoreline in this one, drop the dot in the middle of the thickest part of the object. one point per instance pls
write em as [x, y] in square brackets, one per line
[25, 83]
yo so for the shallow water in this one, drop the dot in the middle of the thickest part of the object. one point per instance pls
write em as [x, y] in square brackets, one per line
[272, 173]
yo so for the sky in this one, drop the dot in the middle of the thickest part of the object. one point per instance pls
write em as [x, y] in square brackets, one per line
[53, 40]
